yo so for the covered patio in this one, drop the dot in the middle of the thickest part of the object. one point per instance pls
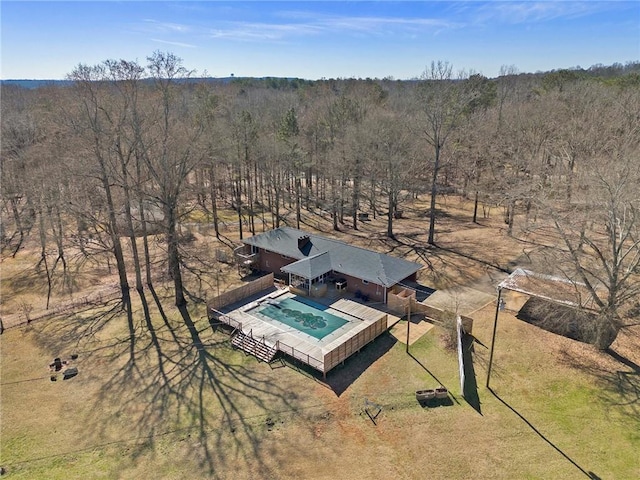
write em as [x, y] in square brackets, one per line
[310, 274]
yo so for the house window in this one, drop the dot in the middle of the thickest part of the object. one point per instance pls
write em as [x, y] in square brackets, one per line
[364, 282]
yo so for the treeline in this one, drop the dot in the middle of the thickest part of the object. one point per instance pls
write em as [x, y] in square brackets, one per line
[129, 151]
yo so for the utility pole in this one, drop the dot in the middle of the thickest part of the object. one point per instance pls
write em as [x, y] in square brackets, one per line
[493, 337]
[408, 322]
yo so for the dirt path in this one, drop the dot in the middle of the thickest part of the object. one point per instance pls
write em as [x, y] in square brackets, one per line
[417, 329]
[463, 300]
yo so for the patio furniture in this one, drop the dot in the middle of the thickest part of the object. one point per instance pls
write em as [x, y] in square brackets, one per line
[341, 284]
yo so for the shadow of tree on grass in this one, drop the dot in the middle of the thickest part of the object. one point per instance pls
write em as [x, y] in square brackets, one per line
[619, 383]
[588, 474]
[183, 382]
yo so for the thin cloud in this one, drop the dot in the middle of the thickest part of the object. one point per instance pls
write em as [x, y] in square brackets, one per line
[313, 24]
[369, 24]
[167, 26]
[263, 31]
[177, 44]
[534, 12]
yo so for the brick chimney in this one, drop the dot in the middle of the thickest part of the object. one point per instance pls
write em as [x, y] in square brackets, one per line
[303, 241]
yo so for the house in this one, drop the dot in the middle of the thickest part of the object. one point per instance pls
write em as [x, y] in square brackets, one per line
[311, 262]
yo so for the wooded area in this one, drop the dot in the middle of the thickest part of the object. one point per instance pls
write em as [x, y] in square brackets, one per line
[128, 155]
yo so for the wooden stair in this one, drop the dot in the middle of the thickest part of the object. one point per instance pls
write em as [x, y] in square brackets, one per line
[250, 345]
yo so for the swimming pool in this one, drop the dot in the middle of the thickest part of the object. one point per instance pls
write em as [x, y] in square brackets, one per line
[303, 316]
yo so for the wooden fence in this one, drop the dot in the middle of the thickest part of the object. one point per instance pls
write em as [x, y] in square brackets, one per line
[399, 303]
[101, 297]
[355, 343]
[242, 292]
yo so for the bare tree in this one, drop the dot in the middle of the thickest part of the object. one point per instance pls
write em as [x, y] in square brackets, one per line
[171, 155]
[507, 79]
[19, 134]
[600, 232]
[288, 132]
[207, 115]
[390, 150]
[245, 134]
[90, 120]
[445, 101]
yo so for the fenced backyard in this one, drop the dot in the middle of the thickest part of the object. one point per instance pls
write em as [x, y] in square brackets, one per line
[236, 308]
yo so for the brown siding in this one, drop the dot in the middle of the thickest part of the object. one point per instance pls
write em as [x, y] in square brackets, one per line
[375, 292]
[273, 262]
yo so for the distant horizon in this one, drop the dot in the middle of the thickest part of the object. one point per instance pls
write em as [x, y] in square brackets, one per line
[231, 77]
[314, 40]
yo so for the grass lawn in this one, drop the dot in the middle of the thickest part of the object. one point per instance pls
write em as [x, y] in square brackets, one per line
[181, 403]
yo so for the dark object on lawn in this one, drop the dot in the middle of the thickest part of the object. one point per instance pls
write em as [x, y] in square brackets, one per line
[70, 373]
[371, 407]
[2, 471]
[424, 395]
[441, 393]
[74, 356]
[270, 423]
[56, 365]
[434, 397]
[54, 378]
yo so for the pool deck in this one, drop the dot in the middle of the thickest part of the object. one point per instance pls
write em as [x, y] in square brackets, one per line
[274, 333]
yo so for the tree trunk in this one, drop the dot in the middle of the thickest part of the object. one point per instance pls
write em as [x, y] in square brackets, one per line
[334, 205]
[173, 254]
[238, 190]
[570, 179]
[16, 217]
[129, 222]
[392, 209]
[214, 203]
[145, 242]
[510, 217]
[143, 222]
[250, 197]
[43, 256]
[434, 191]
[372, 197]
[298, 195]
[475, 207]
[115, 239]
[276, 199]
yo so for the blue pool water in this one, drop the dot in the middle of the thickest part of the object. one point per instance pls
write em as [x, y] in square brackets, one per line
[302, 316]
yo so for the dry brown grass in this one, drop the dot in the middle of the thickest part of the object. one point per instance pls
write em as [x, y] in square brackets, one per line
[188, 406]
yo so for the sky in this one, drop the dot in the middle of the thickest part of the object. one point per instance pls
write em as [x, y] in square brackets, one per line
[313, 40]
